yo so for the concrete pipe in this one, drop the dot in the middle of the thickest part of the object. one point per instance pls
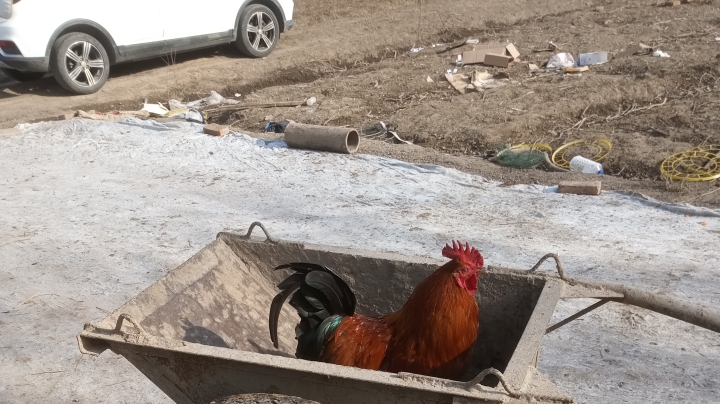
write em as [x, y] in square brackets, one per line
[325, 138]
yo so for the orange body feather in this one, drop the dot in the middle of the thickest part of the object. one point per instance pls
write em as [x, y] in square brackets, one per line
[432, 334]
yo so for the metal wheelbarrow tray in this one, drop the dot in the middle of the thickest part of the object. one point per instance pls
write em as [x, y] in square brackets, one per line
[201, 332]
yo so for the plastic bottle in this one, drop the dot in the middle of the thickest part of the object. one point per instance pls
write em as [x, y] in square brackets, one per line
[580, 164]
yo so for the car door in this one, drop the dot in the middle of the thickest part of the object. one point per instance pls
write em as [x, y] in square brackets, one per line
[186, 18]
[129, 22]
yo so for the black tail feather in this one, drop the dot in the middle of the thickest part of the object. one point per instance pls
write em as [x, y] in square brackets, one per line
[275, 308]
[317, 294]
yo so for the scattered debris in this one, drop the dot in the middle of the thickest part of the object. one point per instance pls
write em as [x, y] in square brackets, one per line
[576, 69]
[561, 61]
[497, 60]
[155, 109]
[551, 48]
[429, 79]
[660, 54]
[188, 114]
[276, 127]
[580, 164]
[311, 101]
[416, 50]
[478, 81]
[213, 99]
[456, 45]
[639, 49]
[383, 132]
[533, 67]
[241, 107]
[216, 130]
[674, 3]
[599, 148]
[459, 81]
[600, 9]
[112, 116]
[498, 55]
[591, 59]
[524, 156]
[697, 164]
[485, 80]
[580, 187]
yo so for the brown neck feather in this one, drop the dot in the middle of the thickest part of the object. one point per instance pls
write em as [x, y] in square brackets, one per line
[437, 299]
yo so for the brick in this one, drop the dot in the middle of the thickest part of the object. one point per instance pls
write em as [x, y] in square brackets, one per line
[216, 130]
[65, 117]
[580, 187]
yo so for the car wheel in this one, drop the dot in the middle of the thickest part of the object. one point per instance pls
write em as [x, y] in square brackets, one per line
[79, 63]
[21, 76]
[258, 31]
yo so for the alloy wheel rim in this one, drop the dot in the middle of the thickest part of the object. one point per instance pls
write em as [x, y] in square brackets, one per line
[261, 31]
[84, 64]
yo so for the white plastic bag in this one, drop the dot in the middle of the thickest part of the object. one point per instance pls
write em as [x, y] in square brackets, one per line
[561, 61]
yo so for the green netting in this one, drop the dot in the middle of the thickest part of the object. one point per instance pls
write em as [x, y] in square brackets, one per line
[524, 158]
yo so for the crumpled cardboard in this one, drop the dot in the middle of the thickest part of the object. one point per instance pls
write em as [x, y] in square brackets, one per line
[498, 55]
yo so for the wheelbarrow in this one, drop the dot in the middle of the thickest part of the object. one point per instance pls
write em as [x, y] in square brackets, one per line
[201, 332]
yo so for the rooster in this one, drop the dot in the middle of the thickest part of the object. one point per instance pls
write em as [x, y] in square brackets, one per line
[432, 334]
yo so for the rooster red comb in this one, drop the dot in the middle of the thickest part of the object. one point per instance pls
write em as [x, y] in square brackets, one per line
[468, 256]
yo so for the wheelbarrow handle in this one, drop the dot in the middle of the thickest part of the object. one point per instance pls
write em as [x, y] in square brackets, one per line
[693, 314]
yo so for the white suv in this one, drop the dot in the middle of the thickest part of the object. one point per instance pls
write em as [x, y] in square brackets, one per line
[78, 40]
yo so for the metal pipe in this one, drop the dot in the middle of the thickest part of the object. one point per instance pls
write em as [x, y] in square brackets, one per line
[691, 313]
[325, 138]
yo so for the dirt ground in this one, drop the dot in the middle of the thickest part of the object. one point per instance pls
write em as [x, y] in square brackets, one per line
[363, 72]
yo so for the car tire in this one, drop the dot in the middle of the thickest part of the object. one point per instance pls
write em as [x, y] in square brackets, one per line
[79, 63]
[21, 76]
[258, 31]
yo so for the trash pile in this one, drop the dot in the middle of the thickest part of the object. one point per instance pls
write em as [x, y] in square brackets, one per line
[383, 132]
[476, 81]
[570, 156]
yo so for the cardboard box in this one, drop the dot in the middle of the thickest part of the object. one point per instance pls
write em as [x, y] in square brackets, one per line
[512, 51]
[478, 54]
[497, 60]
[488, 54]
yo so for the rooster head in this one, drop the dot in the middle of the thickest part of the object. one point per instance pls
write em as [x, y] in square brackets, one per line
[471, 263]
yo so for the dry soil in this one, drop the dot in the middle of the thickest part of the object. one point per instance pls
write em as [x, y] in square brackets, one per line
[355, 58]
